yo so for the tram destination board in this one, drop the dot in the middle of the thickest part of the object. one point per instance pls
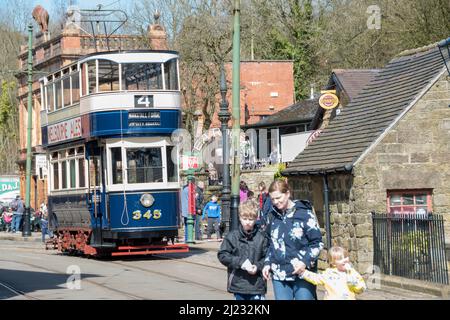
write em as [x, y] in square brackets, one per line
[144, 101]
[139, 119]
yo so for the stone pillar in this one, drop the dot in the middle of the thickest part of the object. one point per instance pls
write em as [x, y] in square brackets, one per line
[157, 35]
[353, 231]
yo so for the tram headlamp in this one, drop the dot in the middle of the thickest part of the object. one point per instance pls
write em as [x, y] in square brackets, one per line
[147, 200]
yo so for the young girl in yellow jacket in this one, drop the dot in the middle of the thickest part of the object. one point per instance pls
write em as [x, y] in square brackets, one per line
[341, 281]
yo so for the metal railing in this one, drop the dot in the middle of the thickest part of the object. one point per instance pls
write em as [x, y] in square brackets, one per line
[410, 246]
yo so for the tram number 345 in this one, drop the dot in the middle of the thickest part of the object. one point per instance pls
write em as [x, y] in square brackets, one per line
[137, 215]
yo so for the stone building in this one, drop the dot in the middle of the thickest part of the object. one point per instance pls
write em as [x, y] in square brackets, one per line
[348, 83]
[387, 151]
[288, 131]
[50, 54]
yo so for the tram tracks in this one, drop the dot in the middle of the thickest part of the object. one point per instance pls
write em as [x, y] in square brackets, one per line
[129, 266]
[17, 292]
[40, 267]
[173, 277]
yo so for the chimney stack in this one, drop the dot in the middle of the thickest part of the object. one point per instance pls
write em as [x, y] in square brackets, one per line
[157, 35]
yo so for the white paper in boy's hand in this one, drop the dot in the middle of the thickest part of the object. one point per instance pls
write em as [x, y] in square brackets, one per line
[247, 265]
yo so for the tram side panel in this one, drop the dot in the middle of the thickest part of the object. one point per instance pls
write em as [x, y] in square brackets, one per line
[130, 219]
[69, 212]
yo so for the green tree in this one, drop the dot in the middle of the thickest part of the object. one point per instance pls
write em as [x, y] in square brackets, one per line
[9, 141]
[294, 26]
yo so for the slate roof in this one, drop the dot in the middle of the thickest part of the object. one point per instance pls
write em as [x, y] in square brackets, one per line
[353, 80]
[378, 105]
[301, 111]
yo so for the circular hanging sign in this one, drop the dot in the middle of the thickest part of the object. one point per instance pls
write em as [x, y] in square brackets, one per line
[328, 101]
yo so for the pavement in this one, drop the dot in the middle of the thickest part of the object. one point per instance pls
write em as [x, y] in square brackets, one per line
[35, 236]
[383, 287]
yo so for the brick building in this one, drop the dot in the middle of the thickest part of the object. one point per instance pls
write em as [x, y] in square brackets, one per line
[51, 54]
[266, 88]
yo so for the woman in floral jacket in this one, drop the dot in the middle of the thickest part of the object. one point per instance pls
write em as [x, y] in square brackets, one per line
[295, 244]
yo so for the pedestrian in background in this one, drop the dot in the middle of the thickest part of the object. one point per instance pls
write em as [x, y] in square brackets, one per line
[198, 210]
[341, 280]
[265, 204]
[7, 216]
[44, 221]
[18, 209]
[212, 211]
[243, 252]
[243, 191]
[185, 208]
[295, 244]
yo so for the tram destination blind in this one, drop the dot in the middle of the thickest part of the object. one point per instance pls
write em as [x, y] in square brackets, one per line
[144, 119]
[145, 101]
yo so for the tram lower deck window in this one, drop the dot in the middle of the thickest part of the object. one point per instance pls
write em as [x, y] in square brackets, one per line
[144, 165]
[116, 159]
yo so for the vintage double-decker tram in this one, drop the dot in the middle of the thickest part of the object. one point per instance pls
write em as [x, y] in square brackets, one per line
[106, 125]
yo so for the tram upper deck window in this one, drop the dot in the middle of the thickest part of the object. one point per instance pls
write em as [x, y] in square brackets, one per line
[75, 86]
[142, 76]
[171, 75]
[66, 90]
[108, 76]
[50, 99]
[58, 94]
[92, 78]
[144, 165]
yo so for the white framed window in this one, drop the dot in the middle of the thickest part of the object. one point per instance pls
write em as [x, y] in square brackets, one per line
[68, 169]
[137, 164]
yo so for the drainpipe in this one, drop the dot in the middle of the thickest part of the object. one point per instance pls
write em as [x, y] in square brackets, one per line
[327, 210]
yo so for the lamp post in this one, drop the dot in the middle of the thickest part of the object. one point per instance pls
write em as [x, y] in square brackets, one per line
[26, 218]
[224, 117]
[234, 207]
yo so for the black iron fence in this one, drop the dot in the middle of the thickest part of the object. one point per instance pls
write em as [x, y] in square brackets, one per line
[410, 246]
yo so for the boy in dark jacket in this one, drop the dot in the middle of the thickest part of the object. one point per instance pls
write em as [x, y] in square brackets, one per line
[243, 252]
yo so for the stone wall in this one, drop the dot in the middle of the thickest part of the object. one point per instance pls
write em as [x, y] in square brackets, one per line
[414, 154]
[349, 229]
[254, 177]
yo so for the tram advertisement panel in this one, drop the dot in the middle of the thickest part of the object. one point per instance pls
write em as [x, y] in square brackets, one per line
[65, 130]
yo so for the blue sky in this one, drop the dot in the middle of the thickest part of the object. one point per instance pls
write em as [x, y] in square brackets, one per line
[85, 4]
